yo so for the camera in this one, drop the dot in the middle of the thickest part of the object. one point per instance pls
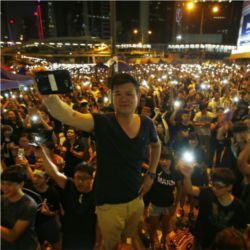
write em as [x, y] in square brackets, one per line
[54, 82]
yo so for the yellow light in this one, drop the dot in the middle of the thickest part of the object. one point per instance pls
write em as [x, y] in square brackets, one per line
[150, 32]
[135, 31]
[190, 5]
[215, 9]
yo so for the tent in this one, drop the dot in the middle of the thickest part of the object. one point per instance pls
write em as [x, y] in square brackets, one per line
[13, 81]
[122, 65]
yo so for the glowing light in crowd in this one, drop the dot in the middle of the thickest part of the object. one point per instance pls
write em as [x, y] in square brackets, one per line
[6, 95]
[144, 83]
[188, 157]
[177, 104]
[37, 139]
[174, 82]
[105, 99]
[236, 99]
[204, 86]
[34, 118]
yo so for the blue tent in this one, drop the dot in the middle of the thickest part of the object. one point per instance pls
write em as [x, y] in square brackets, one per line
[13, 81]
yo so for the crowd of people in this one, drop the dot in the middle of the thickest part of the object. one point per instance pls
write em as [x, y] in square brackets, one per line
[120, 156]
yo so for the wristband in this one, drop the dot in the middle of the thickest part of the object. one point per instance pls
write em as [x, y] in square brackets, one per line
[151, 175]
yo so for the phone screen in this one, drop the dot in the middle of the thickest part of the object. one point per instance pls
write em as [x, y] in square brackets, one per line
[54, 82]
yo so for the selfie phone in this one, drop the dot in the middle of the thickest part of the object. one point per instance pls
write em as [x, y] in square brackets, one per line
[54, 82]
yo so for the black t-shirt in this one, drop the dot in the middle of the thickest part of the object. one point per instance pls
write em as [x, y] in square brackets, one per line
[162, 192]
[70, 160]
[17, 127]
[214, 217]
[79, 219]
[53, 202]
[119, 158]
[25, 210]
[7, 153]
[179, 141]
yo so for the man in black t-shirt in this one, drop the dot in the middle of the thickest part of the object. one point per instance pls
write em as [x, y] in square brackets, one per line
[219, 209]
[79, 219]
[182, 130]
[73, 150]
[122, 139]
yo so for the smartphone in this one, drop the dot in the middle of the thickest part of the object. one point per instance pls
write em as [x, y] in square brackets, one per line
[54, 82]
[37, 139]
[21, 153]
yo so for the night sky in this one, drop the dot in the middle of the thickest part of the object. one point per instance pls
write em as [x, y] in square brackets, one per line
[128, 19]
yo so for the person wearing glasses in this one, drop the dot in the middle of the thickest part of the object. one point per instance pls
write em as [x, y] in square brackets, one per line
[219, 209]
[79, 219]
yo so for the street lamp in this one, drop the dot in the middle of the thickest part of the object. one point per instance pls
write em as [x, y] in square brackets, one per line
[136, 32]
[191, 5]
[215, 9]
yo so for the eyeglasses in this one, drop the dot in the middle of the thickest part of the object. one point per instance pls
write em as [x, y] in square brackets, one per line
[217, 186]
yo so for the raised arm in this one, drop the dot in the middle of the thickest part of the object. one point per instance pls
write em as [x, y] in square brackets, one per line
[64, 113]
[187, 184]
[243, 160]
[51, 169]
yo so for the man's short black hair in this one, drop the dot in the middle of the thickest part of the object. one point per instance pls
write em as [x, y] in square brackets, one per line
[203, 106]
[14, 173]
[185, 112]
[193, 136]
[122, 78]
[84, 167]
[166, 155]
[239, 127]
[223, 175]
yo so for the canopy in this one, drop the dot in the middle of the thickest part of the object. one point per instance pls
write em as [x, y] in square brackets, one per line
[122, 65]
[13, 81]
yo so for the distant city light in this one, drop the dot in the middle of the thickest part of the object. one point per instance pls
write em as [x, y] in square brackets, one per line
[190, 5]
[215, 9]
[179, 37]
[135, 31]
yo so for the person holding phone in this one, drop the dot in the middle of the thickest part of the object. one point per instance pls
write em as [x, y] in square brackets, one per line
[122, 139]
[79, 224]
[219, 209]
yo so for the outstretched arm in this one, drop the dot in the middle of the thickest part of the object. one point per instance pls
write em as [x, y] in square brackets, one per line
[51, 169]
[64, 113]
